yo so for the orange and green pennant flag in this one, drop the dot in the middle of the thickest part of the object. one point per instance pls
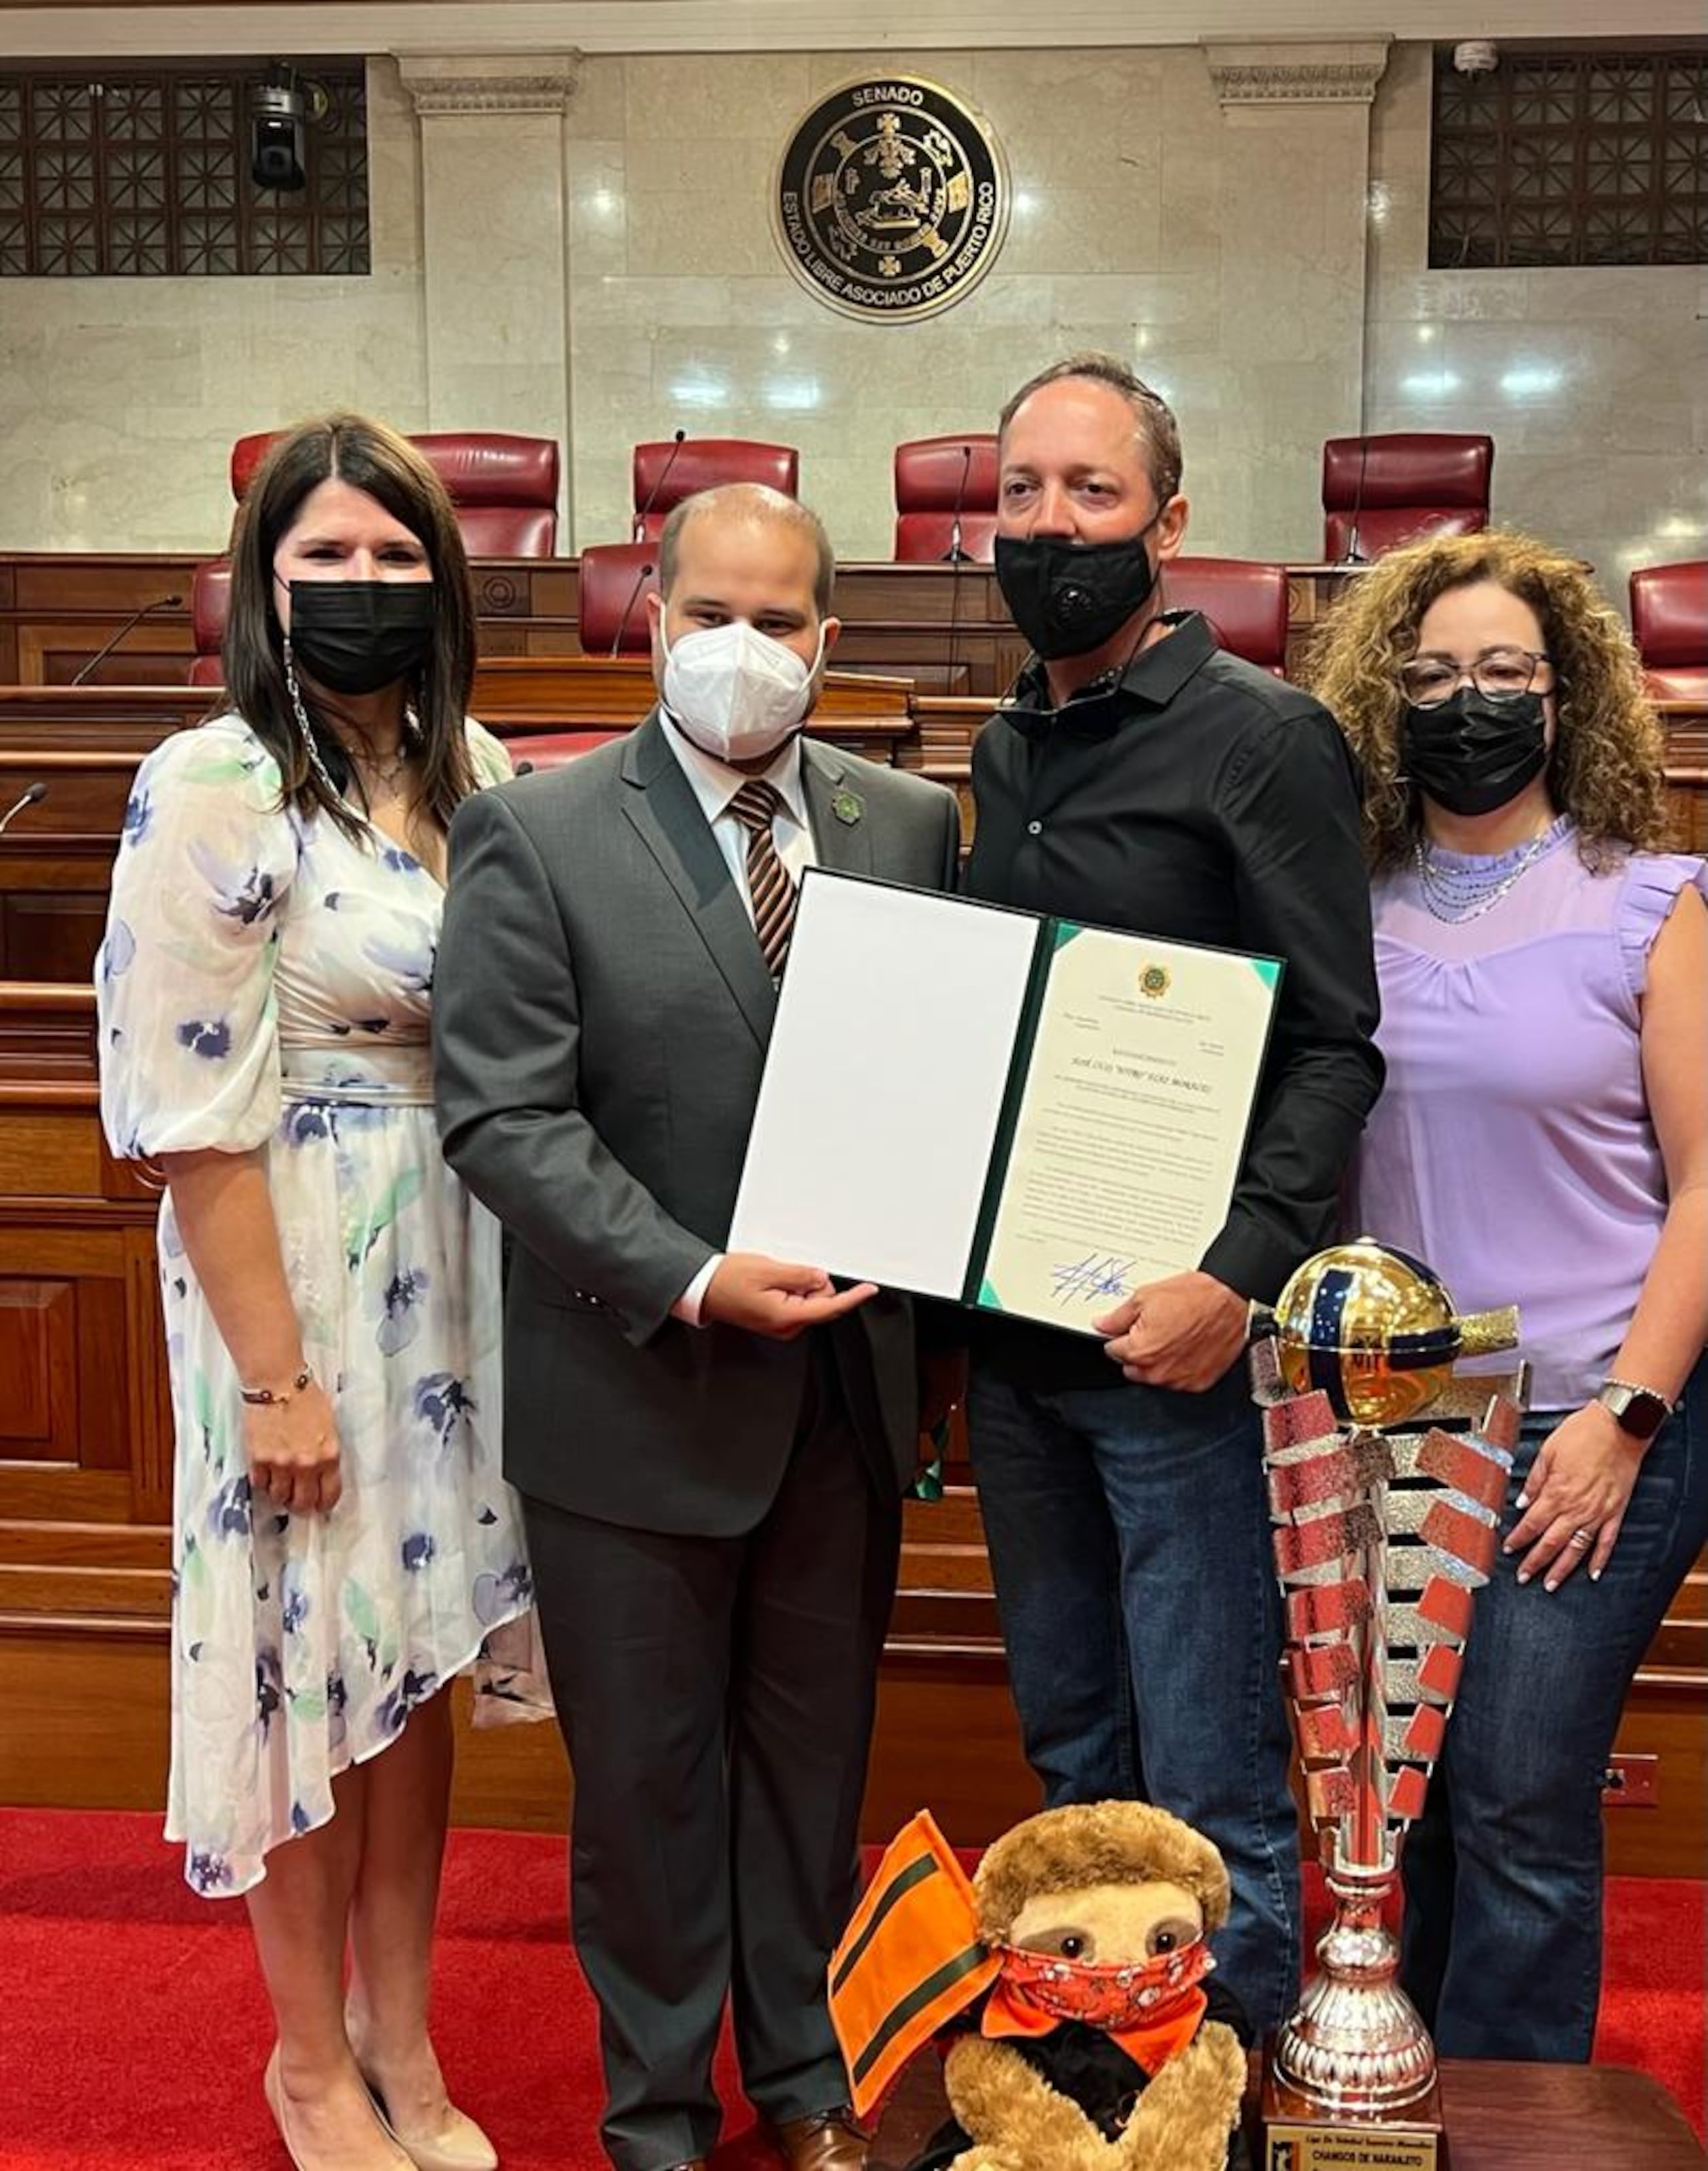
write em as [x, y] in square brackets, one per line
[909, 1961]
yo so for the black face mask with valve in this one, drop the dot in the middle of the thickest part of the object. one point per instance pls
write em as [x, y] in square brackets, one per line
[1067, 598]
[1470, 754]
[356, 636]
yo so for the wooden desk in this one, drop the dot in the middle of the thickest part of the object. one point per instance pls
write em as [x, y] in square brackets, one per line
[53, 860]
[945, 627]
[512, 694]
[1499, 2118]
[84, 1477]
[84, 743]
[1685, 724]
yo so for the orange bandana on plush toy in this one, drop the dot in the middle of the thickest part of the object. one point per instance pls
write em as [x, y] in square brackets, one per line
[912, 1959]
[1151, 2008]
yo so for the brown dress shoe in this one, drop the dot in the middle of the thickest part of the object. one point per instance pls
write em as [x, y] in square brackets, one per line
[826, 2141]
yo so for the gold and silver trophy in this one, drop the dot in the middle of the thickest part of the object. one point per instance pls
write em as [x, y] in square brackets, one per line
[1387, 1475]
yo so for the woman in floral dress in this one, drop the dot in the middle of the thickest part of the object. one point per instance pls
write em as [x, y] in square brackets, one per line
[344, 1542]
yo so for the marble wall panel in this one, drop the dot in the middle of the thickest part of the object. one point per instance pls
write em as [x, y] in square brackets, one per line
[1267, 268]
[1591, 381]
[120, 398]
[494, 219]
[736, 347]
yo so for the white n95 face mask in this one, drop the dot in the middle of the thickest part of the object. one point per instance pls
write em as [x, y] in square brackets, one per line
[734, 692]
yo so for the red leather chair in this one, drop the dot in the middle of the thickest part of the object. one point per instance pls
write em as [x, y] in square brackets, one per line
[1669, 619]
[1396, 488]
[505, 488]
[934, 476]
[1245, 600]
[616, 579]
[665, 473]
[209, 596]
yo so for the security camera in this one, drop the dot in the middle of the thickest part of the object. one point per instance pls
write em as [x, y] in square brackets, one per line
[276, 134]
[1476, 56]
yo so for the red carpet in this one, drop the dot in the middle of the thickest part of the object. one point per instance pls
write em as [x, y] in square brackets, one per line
[132, 2026]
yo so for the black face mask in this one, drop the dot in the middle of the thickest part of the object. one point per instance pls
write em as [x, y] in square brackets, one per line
[1069, 598]
[356, 636]
[1471, 754]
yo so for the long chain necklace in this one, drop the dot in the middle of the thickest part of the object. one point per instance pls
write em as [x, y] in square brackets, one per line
[384, 774]
[1457, 895]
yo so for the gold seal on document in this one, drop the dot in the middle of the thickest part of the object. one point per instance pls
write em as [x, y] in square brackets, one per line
[1154, 981]
[892, 199]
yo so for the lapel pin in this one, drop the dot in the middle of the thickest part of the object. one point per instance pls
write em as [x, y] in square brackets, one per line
[847, 806]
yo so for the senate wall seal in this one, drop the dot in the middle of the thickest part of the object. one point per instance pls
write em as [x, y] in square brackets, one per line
[892, 199]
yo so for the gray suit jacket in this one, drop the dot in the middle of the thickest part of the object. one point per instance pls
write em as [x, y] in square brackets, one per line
[601, 1011]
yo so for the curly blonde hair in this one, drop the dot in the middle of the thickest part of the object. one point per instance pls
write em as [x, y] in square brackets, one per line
[1605, 769]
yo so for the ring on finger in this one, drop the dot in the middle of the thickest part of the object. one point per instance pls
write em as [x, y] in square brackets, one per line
[1582, 1539]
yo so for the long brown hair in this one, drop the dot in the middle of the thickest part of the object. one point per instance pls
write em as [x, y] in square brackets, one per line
[376, 460]
[1606, 767]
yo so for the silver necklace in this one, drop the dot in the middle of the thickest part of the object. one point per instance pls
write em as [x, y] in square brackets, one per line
[1459, 894]
[384, 774]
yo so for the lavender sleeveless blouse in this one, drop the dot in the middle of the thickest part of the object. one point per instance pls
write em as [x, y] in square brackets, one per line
[1511, 1148]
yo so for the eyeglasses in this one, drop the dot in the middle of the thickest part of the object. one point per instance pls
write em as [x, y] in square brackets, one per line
[1499, 674]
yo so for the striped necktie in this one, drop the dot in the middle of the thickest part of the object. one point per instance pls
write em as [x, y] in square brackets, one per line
[771, 888]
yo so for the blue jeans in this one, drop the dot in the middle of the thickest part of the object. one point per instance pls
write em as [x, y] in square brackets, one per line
[1502, 1943]
[1129, 1539]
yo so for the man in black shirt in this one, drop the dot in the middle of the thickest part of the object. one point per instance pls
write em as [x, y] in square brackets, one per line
[1143, 778]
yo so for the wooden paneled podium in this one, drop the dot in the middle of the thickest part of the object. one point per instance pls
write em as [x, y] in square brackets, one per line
[85, 1435]
[84, 743]
[945, 627]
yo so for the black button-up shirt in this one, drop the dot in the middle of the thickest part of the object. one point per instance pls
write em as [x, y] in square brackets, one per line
[1194, 797]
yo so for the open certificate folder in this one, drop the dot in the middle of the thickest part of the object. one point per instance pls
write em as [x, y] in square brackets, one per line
[1012, 1112]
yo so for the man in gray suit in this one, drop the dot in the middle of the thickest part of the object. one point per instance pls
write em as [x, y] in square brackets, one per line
[711, 1446]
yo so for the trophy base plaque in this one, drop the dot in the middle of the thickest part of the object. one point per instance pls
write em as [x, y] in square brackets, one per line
[1300, 2135]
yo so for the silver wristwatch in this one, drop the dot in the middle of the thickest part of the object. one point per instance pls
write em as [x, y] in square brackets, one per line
[1638, 1411]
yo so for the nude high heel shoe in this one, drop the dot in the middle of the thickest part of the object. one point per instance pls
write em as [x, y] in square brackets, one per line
[273, 2088]
[274, 2092]
[460, 2144]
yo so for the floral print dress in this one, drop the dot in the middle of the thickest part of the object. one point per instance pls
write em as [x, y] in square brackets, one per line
[264, 984]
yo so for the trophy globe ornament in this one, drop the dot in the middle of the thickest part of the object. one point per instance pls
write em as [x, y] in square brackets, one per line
[1376, 1332]
[1387, 1474]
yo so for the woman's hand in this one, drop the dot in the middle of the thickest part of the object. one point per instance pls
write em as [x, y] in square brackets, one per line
[1580, 1482]
[293, 1450]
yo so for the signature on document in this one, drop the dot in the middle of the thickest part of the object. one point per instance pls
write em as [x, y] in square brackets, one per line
[1081, 1281]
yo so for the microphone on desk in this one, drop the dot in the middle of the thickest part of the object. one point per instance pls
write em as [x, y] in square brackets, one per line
[957, 558]
[641, 580]
[33, 797]
[1354, 555]
[954, 554]
[640, 534]
[101, 655]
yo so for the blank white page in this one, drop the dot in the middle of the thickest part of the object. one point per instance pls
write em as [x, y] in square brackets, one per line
[884, 1083]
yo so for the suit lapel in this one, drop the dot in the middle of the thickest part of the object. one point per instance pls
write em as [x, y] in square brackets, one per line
[841, 833]
[661, 803]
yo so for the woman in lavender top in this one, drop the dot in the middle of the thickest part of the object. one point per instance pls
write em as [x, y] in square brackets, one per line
[1543, 1140]
[343, 1541]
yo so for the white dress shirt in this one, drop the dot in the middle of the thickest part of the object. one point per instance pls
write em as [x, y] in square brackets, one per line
[715, 784]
